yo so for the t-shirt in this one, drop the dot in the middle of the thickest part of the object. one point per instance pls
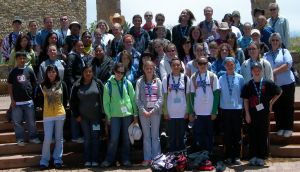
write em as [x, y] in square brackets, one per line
[268, 90]
[22, 80]
[176, 100]
[151, 94]
[203, 102]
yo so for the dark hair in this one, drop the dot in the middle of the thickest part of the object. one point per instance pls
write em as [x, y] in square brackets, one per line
[200, 39]
[19, 40]
[46, 81]
[46, 45]
[229, 15]
[126, 53]
[191, 19]
[230, 50]
[21, 54]
[137, 16]
[159, 15]
[232, 36]
[83, 69]
[119, 65]
[32, 21]
[85, 33]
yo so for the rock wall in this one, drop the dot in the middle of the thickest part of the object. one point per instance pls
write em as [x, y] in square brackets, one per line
[106, 8]
[38, 9]
[262, 4]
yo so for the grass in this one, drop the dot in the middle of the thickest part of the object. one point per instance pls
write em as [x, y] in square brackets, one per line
[295, 44]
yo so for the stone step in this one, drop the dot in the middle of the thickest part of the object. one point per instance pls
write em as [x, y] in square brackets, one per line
[32, 160]
[8, 126]
[296, 116]
[2, 115]
[14, 149]
[296, 126]
[279, 140]
[285, 151]
[9, 137]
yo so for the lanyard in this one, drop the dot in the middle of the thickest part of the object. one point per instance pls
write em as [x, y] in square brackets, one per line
[274, 55]
[258, 92]
[183, 32]
[230, 86]
[203, 82]
[274, 22]
[149, 87]
[120, 88]
[175, 86]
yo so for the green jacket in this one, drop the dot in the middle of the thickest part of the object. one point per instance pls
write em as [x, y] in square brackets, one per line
[114, 104]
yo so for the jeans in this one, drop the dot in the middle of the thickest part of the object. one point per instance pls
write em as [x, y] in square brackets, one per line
[91, 134]
[117, 125]
[18, 113]
[58, 127]
[150, 127]
[203, 133]
[176, 131]
[75, 128]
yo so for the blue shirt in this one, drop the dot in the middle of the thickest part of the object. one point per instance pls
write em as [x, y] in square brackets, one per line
[278, 58]
[219, 69]
[244, 41]
[41, 37]
[233, 100]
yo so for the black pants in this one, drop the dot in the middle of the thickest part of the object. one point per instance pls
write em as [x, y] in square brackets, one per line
[203, 133]
[232, 125]
[258, 134]
[284, 108]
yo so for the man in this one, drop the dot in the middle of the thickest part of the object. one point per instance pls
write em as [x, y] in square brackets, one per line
[246, 39]
[204, 101]
[209, 26]
[223, 31]
[74, 36]
[231, 105]
[115, 46]
[64, 30]
[236, 18]
[10, 40]
[279, 24]
[32, 27]
[265, 30]
[259, 96]
[149, 25]
[160, 19]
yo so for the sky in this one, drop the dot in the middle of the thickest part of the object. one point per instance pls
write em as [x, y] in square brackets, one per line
[172, 8]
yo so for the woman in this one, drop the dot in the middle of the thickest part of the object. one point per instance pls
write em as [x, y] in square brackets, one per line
[181, 30]
[188, 50]
[120, 109]
[86, 39]
[55, 100]
[86, 105]
[253, 51]
[103, 27]
[224, 51]
[52, 54]
[23, 44]
[159, 52]
[196, 36]
[102, 64]
[131, 72]
[192, 66]
[255, 35]
[281, 62]
[239, 53]
[149, 101]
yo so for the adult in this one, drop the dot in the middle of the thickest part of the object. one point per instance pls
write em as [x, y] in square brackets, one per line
[204, 101]
[102, 64]
[140, 35]
[188, 50]
[149, 25]
[236, 21]
[51, 39]
[104, 35]
[281, 62]
[265, 30]
[246, 39]
[9, 41]
[120, 109]
[229, 19]
[279, 24]
[55, 97]
[181, 30]
[117, 18]
[259, 95]
[149, 102]
[159, 53]
[209, 26]
[75, 28]
[223, 31]
[64, 30]
[23, 44]
[116, 46]
[86, 38]
[256, 13]
[255, 35]
[32, 32]
[232, 41]
[256, 57]
[86, 107]
[196, 36]
[231, 104]
[128, 42]
[160, 19]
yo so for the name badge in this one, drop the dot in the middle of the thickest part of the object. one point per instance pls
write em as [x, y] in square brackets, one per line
[259, 107]
[150, 104]
[124, 109]
[96, 127]
[177, 100]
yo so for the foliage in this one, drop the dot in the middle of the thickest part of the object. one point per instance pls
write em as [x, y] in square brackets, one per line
[92, 26]
[295, 44]
[126, 27]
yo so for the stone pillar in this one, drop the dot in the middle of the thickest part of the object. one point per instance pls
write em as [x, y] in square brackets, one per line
[106, 8]
[262, 4]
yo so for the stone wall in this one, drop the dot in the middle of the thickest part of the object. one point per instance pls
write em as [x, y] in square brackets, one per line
[106, 8]
[262, 4]
[38, 9]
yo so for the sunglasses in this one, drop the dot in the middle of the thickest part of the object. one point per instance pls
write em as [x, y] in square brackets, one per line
[202, 63]
[148, 15]
[173, 50]
[119, 72]
[273, 9]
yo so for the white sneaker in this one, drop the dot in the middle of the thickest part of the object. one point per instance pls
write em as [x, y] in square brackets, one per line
[87, 164]
[20, 143]
[35, 141]
[252, 161]
[288, 133]
[260, 162]
[79, 140]
[95, 164]
[280, 132]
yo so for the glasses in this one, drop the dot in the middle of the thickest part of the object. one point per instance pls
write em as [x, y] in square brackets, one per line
[273, 9]
[160, 20]
[63, 19]
[275, 40]
[119, 72]
[173, 50]
[202, 63]
[148, 15]
[252, 49]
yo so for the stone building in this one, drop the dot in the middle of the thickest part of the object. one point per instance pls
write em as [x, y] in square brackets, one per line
[262, 4]
[106, 8]
[38, 9]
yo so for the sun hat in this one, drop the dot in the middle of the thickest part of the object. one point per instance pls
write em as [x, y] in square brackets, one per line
[74, 23]
[117, 16]
[135, 132]
[224, 26]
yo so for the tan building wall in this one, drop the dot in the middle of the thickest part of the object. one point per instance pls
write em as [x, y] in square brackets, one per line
[262, 4]
[38, 9]
[106, 8]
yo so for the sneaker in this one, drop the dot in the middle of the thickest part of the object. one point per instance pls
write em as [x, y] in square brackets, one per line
[260, 162]
[280, 132]
[87, 164]
[287, 133]
[58, 165]
[252, 161]
[105, 164]
[146, 163]
[127, 164]
[236, 161]
[43, 167]
[95, 164]
[20, 143]
[79, 140]
[228, 161]
[35, 141]
[164, 134]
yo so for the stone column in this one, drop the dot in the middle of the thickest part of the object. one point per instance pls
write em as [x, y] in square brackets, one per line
[106, 8]
[262, 4]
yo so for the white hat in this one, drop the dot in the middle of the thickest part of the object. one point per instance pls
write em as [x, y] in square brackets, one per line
[253, 31]
[135, 132]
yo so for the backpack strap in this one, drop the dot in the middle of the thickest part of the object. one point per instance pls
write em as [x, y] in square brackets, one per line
[168, 79]
[110, 87]
[10, 39]
[185, 82]
[211, 79]
[193, 78]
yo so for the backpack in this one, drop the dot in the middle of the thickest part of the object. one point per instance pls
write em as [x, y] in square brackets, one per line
[211, 79]
[294, 71]
[185, 81]
[214, 22]
[110, 87]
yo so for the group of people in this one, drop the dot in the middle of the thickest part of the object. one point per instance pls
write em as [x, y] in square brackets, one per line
[112, 80]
